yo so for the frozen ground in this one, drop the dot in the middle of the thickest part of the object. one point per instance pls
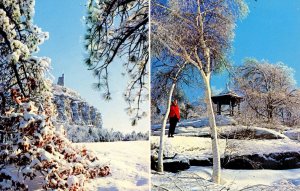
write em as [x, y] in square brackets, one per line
[129, 164]
[198, 178]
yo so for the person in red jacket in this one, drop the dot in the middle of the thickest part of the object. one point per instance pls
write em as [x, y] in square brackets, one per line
[174, 117]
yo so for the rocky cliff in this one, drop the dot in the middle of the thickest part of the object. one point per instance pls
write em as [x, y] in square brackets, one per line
[74, 110]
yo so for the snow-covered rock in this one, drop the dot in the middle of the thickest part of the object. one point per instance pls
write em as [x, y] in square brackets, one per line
[74, 110]
[293, 134]
[243, 132]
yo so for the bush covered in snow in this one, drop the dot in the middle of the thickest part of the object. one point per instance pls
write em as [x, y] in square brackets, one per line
[38, 147]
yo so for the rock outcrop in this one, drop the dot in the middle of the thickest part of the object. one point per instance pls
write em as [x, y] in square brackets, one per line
[274, 161]
[72, 109]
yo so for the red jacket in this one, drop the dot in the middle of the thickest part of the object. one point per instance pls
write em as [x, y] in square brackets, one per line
[174, 111]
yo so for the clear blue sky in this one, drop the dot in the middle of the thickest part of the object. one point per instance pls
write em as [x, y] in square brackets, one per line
[271, 32]
[63, 19]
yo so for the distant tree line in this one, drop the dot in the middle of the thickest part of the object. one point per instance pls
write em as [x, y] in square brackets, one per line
[91, 134]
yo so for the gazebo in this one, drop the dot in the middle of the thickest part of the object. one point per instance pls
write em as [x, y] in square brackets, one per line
[227, 97]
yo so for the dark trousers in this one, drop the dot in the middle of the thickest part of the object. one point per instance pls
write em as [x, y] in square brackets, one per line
[173, 122]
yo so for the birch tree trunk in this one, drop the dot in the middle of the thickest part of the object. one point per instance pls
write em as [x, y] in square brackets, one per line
[160, 167]
[216, 175]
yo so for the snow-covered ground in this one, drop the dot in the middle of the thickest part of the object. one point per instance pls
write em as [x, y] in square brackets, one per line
[201, 122]
[200, 147]
[192, 141]
[129, 164]
[198, 178]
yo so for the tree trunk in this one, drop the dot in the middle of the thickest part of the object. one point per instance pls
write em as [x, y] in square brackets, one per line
[18, 79]
[216, 175]
[3, 103]
[160, 167]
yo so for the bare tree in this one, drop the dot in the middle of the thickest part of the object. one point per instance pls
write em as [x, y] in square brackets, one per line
[200, 33]
[119, 28]
[269, 89]
[168, 73]
[173, 75]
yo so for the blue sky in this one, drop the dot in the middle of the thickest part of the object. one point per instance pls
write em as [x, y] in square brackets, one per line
[270, 32]
[64, 21]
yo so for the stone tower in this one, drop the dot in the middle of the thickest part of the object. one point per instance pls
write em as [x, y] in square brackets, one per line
[61, 80]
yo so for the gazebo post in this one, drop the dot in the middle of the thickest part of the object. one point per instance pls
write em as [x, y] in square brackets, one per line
[230, 108]
[219, 108]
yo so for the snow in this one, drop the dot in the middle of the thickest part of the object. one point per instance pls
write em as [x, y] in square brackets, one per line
[72, 109]
[293, 134]
[226, 126]
[221, 120]
[192, 141]
[198, 178]
[46, 156]
[244, 147]
[67, 92]
[258, 131]
[72, 180]
[195, 147]
[129, 163]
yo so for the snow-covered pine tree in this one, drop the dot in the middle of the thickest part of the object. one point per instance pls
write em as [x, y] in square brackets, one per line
[31, 145]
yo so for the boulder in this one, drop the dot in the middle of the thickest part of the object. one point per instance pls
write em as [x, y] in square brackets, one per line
[175, 165]
[275, 161]
[239, 163]
[201, 162]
